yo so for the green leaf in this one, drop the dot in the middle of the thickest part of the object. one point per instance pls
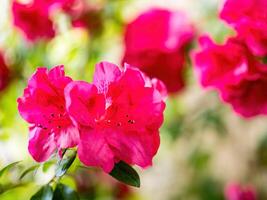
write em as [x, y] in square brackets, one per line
[63, 192]
[126, 174]
[45, 193]
[32, 168]
[10, 186]
[8, 167]
[47, 165]
[65, 163]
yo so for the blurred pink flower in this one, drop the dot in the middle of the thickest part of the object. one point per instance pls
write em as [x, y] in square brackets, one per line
[156, 43]
[62, 4]
[232, 69]
[4, 73]
[43, 106]
[33, 20]
[250, 21]
[235, 191]
[122, 124]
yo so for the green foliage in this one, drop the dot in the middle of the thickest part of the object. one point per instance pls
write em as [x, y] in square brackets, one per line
[8, 167]
[205, 188]
[63, 192]
[65, 163]
[126, 174]
[261, 152]
[27, 171]
[45, 193]
[199, 159]
[47, 165]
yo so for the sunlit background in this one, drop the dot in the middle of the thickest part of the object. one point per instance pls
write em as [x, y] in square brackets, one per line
[205, 145]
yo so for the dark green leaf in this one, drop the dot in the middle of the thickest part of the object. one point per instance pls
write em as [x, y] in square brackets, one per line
[65, 163]
[8, 167]
[28, 171]
[63, 192]
[45, 193]
[126, 174]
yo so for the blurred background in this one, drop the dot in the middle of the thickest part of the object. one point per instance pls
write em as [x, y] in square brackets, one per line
[205, 146]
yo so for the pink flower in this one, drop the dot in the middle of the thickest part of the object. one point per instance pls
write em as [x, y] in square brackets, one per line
[233, 11]
[43, 106]
[118, 116]
[159, 54]
[63, 4]
[250, 21]
[236, 192]
[33, 20]
[235, 73]
[4, 73]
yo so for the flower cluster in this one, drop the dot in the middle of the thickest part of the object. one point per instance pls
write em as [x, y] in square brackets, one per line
[34, 19]
[115, 118]
[235, 191]
[160, 54]
[235, 67]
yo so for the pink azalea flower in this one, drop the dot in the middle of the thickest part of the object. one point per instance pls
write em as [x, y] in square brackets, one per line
[43, 106]
[159, 54]
[235, 73]
[4, 73]
[118, 116]
[235, 191]
[33, 20]
[250, 21]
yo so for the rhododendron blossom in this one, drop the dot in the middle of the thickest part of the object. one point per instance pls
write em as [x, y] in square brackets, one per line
[120, 119]
[235, 72]
[159, 54]
[43, 106]
[33, 20]
[250, 21]
[235, 191]
[115, 118]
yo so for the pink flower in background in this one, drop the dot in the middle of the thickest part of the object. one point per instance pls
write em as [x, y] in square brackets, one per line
[43, 106]
[250, 21]
[62, 4]
[237, 192]
[233, 11]
[33, 20]
[4, 73]
[238, 76]
[121, 123]
[218, 65]
[156, 43]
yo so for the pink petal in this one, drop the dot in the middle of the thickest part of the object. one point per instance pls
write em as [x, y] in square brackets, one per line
[41, 144]
[134, 147]
[67, 137]
[105, 73]
[44, 94]
[57, 77]
[34, 104]
[83, 102]
[93, 150]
